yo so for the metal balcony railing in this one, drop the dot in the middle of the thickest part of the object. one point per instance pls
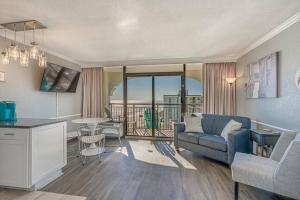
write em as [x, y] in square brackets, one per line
[166, 114]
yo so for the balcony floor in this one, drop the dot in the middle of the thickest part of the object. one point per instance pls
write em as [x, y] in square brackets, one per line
[166, 133]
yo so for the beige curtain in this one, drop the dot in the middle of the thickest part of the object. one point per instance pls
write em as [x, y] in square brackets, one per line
[219, 96]
[92, 91]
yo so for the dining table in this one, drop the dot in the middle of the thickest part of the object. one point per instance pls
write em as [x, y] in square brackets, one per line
[92, 124]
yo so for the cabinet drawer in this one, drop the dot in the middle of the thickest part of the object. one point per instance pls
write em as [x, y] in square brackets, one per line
[13, 134]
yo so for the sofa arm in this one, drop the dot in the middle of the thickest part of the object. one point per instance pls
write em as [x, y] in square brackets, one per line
[178, 128]
[238, 141]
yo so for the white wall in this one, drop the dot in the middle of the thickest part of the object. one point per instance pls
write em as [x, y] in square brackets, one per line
[283, 111]
[22, 85]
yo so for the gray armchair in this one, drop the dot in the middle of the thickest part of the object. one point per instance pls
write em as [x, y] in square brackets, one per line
[279, 174]
[210, 143]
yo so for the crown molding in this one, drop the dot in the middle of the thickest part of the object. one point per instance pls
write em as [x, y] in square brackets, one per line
[157, 61]
[285, 25]
[62, 56]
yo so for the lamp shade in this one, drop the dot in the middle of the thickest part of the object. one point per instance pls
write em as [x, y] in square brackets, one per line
[231, 80]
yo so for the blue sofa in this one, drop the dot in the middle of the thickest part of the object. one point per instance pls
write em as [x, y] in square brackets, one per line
[210, 143]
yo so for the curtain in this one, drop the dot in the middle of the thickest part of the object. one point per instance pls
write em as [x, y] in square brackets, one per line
[92, 91]
[219, 96]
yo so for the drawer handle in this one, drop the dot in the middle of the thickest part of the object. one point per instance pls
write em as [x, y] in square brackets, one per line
[9, 134]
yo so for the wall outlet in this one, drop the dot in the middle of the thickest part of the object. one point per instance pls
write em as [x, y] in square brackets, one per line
[2, 76]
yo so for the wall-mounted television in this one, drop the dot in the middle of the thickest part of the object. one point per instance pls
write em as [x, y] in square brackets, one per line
[57, 78]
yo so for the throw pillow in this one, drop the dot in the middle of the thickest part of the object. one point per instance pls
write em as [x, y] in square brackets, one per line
[193, 124]
[230, 126]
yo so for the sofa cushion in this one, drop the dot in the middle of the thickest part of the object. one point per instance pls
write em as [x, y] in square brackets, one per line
[213, 141]
[193, 123]
[230, 126]
[192, 137]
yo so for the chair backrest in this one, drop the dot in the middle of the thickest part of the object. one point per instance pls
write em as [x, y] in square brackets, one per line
[287, 175]
[214, 124]
[83, 131]
[107, 112]
[148, 118]
[282, 144]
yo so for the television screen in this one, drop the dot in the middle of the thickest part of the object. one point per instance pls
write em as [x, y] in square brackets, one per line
[59, 79]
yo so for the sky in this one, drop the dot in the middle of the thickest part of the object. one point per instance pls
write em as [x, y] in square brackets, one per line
[139, 89]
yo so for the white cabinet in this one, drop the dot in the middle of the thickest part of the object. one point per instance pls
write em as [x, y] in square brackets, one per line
[14, 170]
[29, 157]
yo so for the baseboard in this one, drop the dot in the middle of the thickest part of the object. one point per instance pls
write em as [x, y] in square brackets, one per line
[148, 138]
[48, 179]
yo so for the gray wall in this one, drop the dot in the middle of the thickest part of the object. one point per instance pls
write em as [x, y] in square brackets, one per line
[22, 85]
[283, 111]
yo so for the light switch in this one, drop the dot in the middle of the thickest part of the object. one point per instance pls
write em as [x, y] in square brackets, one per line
[2, 76]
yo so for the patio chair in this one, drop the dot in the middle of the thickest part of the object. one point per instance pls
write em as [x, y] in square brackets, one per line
[148, 120]
[111, 128]
[278, 174]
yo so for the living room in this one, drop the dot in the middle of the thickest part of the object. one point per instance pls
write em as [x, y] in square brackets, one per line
[149, 100]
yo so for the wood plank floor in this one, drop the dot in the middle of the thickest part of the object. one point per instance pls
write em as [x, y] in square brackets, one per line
[150, 170]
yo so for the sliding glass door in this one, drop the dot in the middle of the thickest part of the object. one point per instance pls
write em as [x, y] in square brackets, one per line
[153, 102]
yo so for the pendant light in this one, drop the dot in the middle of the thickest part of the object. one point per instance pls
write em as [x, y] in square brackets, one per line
[34, 50]
[42, 57]
[24, 56]
[4, 54]
[13, 48]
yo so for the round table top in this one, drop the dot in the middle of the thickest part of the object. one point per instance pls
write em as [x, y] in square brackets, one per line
[90, 120]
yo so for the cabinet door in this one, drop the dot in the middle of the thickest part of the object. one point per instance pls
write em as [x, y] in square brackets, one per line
[14, 163]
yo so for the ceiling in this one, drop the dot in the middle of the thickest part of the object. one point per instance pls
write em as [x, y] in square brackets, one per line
[103, 31]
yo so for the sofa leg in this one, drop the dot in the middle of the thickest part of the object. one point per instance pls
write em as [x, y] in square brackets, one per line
[177, 148]
[236, 191]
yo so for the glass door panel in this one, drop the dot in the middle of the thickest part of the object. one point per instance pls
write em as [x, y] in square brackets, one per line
[139, 106]
[167, 104]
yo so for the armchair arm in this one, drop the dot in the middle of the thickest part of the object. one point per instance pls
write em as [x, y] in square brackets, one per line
[238, 141]
[178, 128]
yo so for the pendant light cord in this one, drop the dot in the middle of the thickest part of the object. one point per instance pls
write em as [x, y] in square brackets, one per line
[15, 33]
[24, 35]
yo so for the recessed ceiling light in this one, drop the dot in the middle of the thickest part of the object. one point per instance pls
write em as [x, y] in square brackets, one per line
[127, 22]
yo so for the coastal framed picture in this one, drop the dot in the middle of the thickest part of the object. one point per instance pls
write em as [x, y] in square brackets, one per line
[261, 77]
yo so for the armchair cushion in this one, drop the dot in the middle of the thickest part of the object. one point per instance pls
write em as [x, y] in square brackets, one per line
[254, 170]
[213, 141]
[282, 144]
[192, 137]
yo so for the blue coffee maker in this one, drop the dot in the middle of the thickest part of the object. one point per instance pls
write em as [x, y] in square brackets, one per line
[8, 111]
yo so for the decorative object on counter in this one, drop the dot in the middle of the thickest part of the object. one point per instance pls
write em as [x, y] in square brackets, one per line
[2, 76]
[297, 79]
[261, 77]
[265, 139]
[13, 52]
[8, 111]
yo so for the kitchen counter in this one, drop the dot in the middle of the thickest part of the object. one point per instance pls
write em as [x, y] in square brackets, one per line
[28, 123]
[32, 152]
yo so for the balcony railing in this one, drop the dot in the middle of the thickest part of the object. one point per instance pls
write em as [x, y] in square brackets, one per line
[138, 120]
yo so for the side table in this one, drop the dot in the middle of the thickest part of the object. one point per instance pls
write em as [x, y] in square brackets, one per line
[265, 139]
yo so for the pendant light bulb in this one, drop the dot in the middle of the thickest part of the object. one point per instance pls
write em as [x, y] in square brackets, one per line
[13, 48]
[42, 57]
[34, 50]
[4, 54]
[24, 56]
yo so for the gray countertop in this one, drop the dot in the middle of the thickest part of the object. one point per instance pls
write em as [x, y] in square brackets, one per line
[28, 123]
